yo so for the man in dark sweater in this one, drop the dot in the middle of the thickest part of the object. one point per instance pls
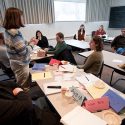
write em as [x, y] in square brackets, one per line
[16, 108]
[118, 44]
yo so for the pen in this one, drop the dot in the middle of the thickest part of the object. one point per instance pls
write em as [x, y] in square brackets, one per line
[63, 67]
[44, 74]
[87, 78]
[54, 87]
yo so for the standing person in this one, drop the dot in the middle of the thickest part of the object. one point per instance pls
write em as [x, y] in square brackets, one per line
[42, 40]
[118, 44]
[81, 33]
[94, 61]
[3, 52]
[18, 52]
[100, 31]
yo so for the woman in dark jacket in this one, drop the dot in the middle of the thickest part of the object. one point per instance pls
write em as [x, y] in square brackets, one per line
[43, 42]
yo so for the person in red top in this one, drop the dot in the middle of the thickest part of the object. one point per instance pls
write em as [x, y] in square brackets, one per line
[100, 31]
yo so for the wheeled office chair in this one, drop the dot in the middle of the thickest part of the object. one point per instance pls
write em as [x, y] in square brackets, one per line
[100, 73]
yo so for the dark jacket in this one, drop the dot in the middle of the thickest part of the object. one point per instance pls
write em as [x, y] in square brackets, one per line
[15, 110]
[19, 110]
[60, 47]
[43, 43]
[118, 42]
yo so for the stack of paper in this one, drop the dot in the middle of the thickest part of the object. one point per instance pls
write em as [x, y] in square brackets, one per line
[97, 92]
[41, 75]
[67, 68]
[80, 116]
[86, 79]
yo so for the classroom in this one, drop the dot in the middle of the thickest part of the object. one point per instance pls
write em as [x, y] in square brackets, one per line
[62, 62]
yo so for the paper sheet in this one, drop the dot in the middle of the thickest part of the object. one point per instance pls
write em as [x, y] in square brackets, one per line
[80, 116]
[43, 75]
[49, 91]
[97, 92]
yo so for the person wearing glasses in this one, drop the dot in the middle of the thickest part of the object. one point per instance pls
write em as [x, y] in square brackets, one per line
[118, 44]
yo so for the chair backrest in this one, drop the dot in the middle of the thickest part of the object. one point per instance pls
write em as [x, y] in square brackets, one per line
[100, 73]
[67, 56]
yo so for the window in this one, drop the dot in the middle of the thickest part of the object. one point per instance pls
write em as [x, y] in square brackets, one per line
[69, 11]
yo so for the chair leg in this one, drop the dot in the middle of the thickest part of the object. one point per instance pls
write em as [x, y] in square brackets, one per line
[111, 78]
[117, 81]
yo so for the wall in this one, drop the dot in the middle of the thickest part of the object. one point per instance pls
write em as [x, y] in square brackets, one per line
[68, 28]
[113, 3]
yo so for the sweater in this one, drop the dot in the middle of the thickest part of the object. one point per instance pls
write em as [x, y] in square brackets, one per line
[17, 50]
[93, 63]
[60, 47]
[43, 43]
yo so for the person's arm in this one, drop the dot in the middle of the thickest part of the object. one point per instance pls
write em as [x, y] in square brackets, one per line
[10, 109]
[89, 62]
[58, 49]
[46, 42]
[20, 46]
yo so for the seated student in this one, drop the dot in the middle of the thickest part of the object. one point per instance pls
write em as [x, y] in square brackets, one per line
[61, 51]
[118, 44]
[60, 46]
[94, 61]
[16, 108]
[80, 33]
[43, 42]
[100, 31]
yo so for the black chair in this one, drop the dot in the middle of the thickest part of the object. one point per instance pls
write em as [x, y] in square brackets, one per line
[100, 73]
[67, 56]
[119, 72]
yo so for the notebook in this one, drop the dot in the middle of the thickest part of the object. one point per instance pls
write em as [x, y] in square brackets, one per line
[39, 66]
[80, 116]
[116, 101]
